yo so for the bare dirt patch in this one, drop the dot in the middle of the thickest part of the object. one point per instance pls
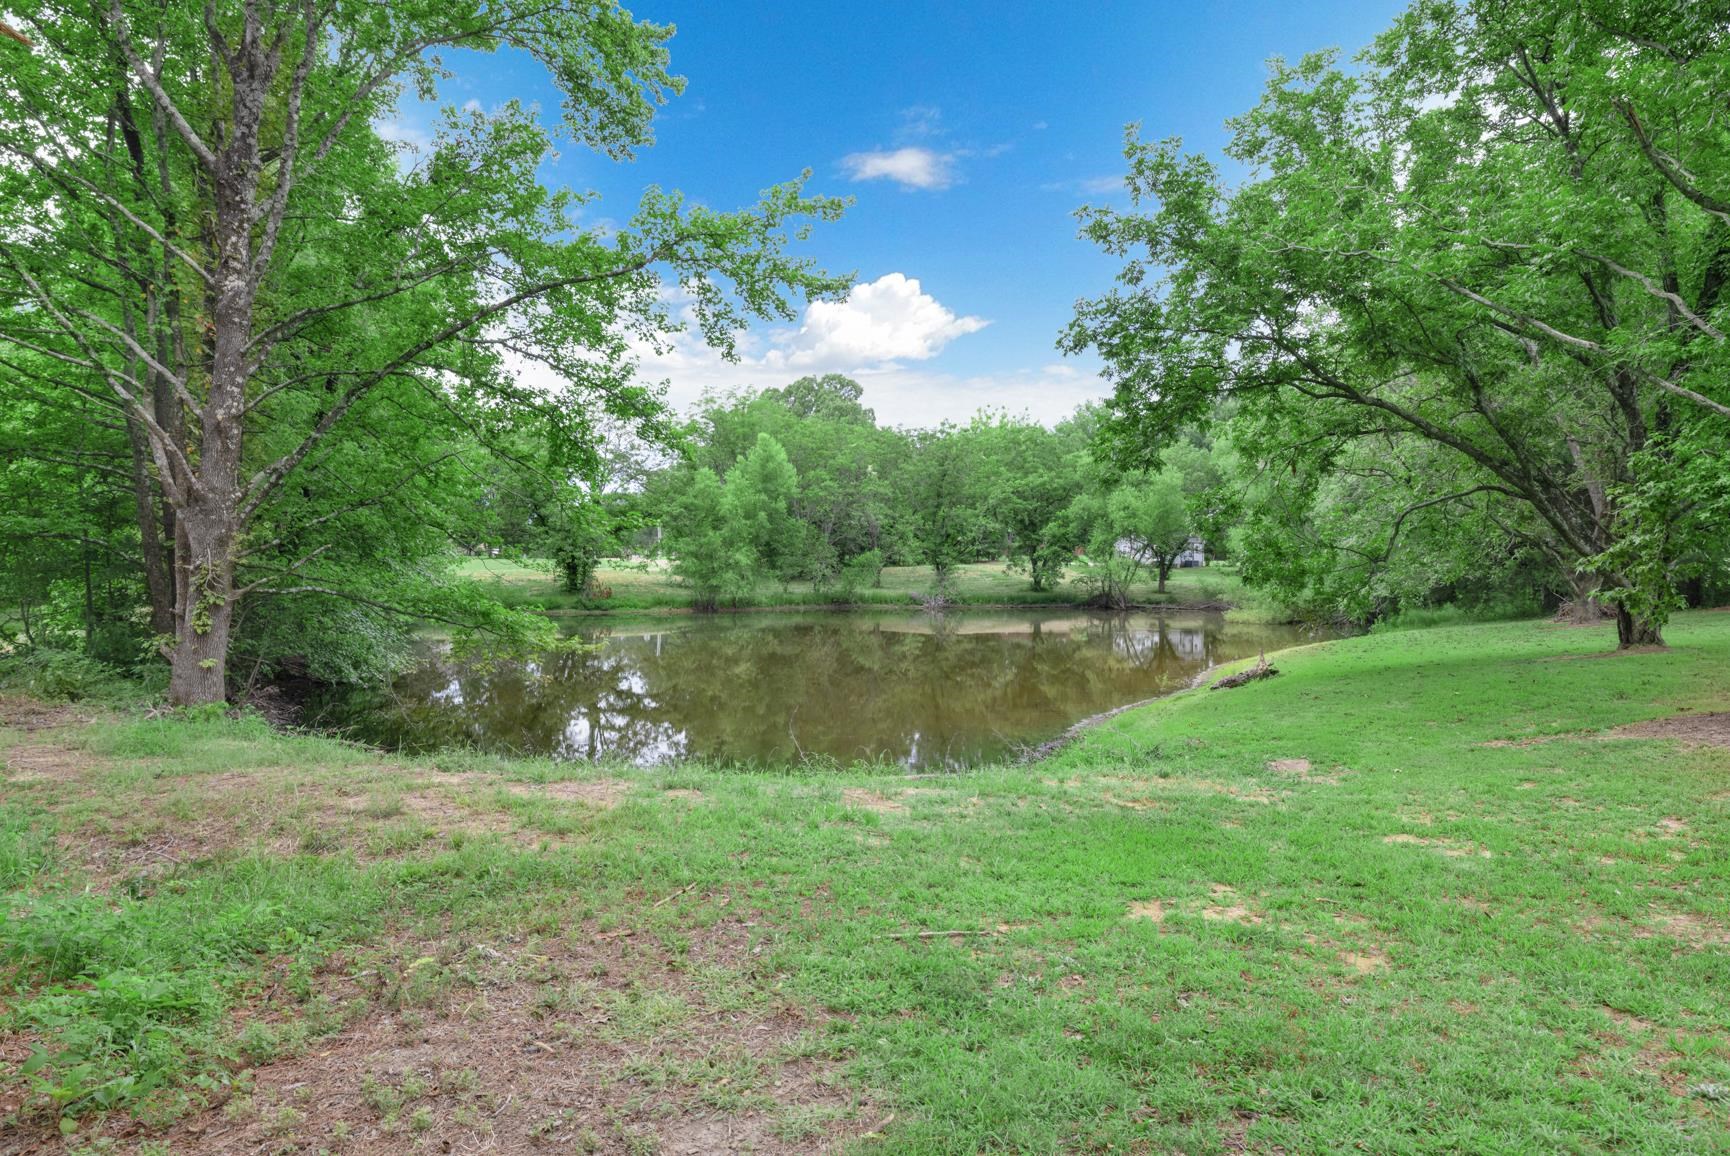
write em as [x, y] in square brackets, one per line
[1354, 943]
[40, 762]
[1692, 928]
[1301, 770]
[1234, 1133]
[28, 715]
[602, 794]
[1706, 729]
[1689, 928]
[1626, 1019]
[1147, 909]
[1448, 847]
[148, 828]
[1226, 907]
[1657, 1054]
[1536, 740]
[871, 801]
[584, 1044]
[1230, 913]
[1138, 804]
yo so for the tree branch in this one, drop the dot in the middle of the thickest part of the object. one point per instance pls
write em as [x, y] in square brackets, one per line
[268, 478]
[143, 225]
[168, 455]
[153, 83]
[1669, 167]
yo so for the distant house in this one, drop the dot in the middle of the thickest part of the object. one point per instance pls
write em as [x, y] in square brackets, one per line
[1194, 551]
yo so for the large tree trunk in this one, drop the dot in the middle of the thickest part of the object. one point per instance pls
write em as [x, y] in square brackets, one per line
[204, 608]
[211, 516]
[1583, 604]
[1632, 630]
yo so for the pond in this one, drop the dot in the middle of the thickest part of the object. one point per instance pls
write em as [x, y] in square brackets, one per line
[936, 692]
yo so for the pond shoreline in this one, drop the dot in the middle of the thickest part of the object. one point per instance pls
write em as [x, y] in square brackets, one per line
[1216, 607]
[923, 689]
[1201, 680]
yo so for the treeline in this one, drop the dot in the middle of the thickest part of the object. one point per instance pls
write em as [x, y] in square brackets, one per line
[802, 484]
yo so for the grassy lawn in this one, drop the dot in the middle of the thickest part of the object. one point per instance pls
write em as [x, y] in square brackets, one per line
[1421, 893]
[651, 586]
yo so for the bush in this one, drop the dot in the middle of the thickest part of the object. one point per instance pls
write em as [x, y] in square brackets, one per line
[859, 573]
[59, 675]
[1455, 614]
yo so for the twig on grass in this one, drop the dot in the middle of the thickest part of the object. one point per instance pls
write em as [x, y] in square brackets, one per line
[668, 899]
[934, 934]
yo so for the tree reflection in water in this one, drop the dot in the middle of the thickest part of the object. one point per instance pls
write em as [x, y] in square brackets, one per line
[937, 692]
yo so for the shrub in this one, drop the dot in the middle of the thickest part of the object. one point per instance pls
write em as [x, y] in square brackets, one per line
[59, 675]
[859, 573]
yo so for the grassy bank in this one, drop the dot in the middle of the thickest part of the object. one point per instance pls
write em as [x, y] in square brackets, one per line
[653, 587]
[1425, 891]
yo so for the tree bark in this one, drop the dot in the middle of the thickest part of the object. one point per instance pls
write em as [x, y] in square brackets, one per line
[204, 608]
[211, 516]
[1583, 605]
[1632, 630]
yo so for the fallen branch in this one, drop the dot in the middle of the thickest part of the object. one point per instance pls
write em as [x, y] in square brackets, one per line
[668, 899]
[934, 934]
[1244, 677]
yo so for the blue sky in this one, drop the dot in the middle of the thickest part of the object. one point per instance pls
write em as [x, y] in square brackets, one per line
[968, 131]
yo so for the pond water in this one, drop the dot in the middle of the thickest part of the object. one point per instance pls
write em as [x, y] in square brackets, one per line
[924, 691]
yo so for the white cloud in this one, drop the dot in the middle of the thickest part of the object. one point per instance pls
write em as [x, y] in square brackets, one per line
[911, 167]
[917, 397]
[411, 141]
[887, 320]
[880, 336]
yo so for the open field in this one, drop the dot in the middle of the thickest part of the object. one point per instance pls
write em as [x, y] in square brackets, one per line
[650, 586]
[1425, 891]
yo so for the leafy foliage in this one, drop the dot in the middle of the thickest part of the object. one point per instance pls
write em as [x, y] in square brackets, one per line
[267, 350]
[1474, 242]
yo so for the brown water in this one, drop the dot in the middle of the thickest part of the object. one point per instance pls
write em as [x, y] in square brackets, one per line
[926, 691]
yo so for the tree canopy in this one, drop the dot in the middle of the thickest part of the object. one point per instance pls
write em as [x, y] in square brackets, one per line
[294, 337]
[1491, 238]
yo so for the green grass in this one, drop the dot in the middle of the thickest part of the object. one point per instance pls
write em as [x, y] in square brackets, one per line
[1472, 919]
[653, 587]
